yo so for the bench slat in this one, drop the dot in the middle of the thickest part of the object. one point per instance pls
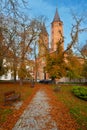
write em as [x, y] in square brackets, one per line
[11, 96]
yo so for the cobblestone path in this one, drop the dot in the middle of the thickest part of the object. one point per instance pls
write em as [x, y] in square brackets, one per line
[37, 115]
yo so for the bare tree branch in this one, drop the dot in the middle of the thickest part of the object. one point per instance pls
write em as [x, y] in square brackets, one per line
[75, 31]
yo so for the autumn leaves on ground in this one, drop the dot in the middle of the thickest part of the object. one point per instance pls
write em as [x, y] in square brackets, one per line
[69, 112]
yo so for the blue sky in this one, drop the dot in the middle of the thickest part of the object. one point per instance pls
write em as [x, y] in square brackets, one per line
[48, 7]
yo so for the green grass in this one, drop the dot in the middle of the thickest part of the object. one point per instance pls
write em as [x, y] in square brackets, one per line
[77, 107]
[24, 90]
[4, 113]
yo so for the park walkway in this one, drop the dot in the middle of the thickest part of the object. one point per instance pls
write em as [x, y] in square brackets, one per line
[37, 114]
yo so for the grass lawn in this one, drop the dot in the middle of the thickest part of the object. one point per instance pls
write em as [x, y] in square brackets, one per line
[77, 107]
[25, 91]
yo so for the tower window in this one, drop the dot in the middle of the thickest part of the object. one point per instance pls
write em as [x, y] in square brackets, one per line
[59, 31]
[60, 24]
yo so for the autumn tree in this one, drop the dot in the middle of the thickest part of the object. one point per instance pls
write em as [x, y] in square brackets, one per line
[62, 64]
[3, 42]
[74, 66]
[56, 64]
[1, 68]
[83, 52]
[84, 72]
[29, 37]
[10, 13]
[19, 36]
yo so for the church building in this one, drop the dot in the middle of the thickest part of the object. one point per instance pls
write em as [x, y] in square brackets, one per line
[56, 35]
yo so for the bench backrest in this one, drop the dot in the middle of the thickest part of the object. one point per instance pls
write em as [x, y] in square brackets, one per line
[9, 93]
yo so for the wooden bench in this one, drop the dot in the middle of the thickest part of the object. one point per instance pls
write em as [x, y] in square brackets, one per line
[11, 96]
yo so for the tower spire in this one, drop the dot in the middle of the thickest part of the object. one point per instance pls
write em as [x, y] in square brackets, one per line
[56, 17]
[56, 30]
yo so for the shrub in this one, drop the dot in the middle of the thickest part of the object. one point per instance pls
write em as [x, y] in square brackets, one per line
[80, 92]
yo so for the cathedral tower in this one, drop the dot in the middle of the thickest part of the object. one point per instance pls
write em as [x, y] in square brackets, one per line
[56, 31]
[43, 41]
[43, 47]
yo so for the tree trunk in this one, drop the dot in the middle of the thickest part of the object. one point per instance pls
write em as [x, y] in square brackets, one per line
[14, 75]
[15, 71]
[21, 81]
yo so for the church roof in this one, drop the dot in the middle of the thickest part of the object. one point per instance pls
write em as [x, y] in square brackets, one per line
[56, 17]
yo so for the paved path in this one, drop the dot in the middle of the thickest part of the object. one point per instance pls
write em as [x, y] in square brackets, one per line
[37, 115]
